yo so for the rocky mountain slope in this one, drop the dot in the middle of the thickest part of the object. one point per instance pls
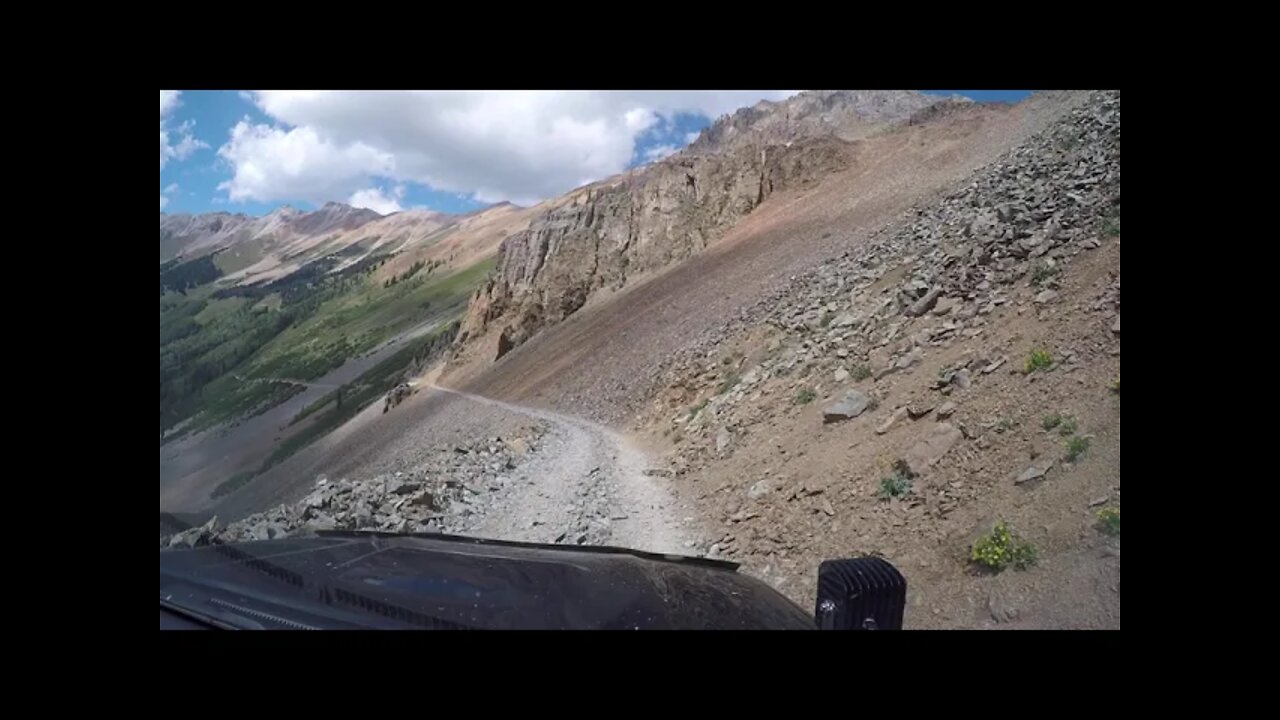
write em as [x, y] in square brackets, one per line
[186, 236]
[600, 237]
[249, 250]
[957, 370]
[845, 114]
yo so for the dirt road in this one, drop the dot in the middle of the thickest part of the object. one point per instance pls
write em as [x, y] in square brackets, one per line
[587, 485]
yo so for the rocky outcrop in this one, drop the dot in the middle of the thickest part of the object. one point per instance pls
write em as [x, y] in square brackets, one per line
[611, 231]
[397, 395]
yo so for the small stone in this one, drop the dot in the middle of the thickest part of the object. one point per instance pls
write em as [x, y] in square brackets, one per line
[947, 409]
[403, 488]
[920, 410]
[945, 306]
[924, 304]
[995, 365]
[658, 472]
[826, 507]
[1045, 296]
[760, 489]
[853, 404]
[1098, 501]
[1115, 327]
[842, 353]
[897, 415]
[1036, 471]
[841, 375]
[961, 379]
[909, 359]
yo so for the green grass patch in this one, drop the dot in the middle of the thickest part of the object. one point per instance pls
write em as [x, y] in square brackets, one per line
[1051, 421]
[1039, 359]
[860, 372]
[1068, 426]
[1042, 274]
[1109, 521]
[896, 484]
[1000, 549]
[1077, 446]
[804, 397]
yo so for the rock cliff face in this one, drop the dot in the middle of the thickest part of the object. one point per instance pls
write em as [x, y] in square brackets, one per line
[603, 235]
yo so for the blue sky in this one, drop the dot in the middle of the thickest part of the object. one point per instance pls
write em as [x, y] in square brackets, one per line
[452, 152]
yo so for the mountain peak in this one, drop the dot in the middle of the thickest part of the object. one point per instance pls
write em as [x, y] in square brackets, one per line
[845, 113]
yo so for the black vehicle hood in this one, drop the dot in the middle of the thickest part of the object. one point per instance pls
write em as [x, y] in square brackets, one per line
[374, 580]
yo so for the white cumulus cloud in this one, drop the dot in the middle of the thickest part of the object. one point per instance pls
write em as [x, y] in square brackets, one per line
[690, 137]
[168, 101]
[182, 143]
[270, 163]
[518, 145]
[163, 201]
[378, 201]
[171, 188]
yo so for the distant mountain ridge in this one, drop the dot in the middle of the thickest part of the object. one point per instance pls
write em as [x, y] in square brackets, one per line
[250, 249]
